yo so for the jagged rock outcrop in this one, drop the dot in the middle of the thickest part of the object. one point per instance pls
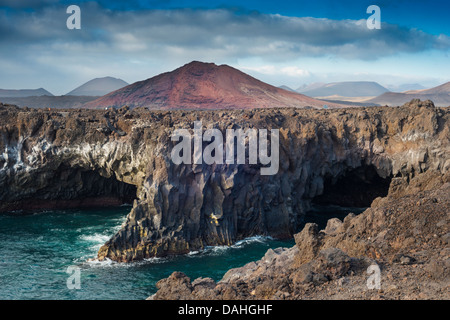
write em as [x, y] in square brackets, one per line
[405, 235]
[179, 208]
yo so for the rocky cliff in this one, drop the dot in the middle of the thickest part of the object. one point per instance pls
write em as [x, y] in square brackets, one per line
[59, 158]
[405, 236]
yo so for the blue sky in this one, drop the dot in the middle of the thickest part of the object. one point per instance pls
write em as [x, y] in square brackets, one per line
[280, 42]
[429, 16]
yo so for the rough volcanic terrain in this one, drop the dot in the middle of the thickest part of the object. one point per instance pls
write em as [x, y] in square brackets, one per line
[58, 157]
[407, 235]
[395, 160]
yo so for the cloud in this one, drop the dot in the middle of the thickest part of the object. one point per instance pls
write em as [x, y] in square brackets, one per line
[119, 41]
[21, 4]
[290, 71]
[221, 31]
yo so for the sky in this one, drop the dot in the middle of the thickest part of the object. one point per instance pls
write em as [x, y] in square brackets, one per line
[289, 43]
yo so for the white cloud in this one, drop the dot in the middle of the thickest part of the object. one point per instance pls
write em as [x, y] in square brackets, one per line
[127, 42]
[273, 37]
[290, 71]
[161, 40]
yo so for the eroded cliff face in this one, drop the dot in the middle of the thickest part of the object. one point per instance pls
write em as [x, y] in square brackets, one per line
[405, 236]
[67, 155]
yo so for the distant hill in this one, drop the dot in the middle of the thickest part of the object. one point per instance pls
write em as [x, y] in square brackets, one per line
[405, 87]
[59, 102]
[200, 85]
[24, 93]
[355, 103]
[286, 88]
[344, 89]
[440, 95]
[98, 87]
[442, 89]
[311, 86]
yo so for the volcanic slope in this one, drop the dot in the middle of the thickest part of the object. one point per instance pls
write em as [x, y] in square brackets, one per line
[199, 85]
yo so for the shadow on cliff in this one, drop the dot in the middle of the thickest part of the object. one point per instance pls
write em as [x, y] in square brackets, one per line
[354, 188]
[351, 192]
[70, 188]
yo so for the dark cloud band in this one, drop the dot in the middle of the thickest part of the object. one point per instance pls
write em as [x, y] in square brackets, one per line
[221, 31]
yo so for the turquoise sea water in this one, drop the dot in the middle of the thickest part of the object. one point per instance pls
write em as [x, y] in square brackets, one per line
[36, 250]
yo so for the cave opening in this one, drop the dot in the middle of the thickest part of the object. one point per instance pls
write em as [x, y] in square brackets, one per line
[95, 190]
[69, 187]
[351, 192]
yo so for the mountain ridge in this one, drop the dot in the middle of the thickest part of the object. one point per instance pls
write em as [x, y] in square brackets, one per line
[200, 85]
[344, 89]
[440, 95]
[22, 93]
[98, 87]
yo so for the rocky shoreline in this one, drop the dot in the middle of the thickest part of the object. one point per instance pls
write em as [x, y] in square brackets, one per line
[395, 160]
[63, 156]
[406, 235]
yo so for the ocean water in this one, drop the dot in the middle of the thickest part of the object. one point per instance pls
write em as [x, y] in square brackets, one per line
[36, 250]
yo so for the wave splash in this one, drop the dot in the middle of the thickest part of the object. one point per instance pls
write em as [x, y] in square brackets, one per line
[216, 250]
